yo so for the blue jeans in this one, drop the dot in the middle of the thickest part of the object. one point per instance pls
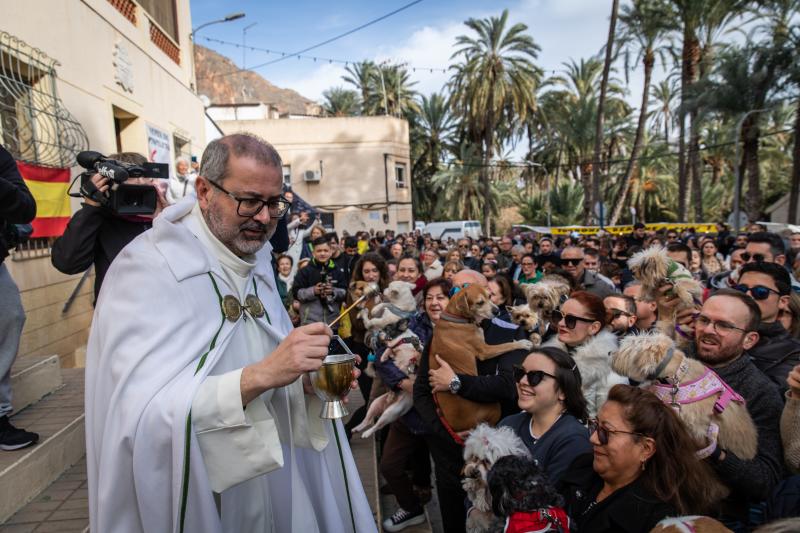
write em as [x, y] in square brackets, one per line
[12, 319]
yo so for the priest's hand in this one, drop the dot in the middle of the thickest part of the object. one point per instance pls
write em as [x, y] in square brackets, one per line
[301, 351]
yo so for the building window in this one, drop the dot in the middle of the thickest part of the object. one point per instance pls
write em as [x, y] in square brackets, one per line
[287, 176]
[327, 220]
[164, 13]
[400, 176]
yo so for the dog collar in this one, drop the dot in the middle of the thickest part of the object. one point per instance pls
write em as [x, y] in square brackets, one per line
[399, 312]
[454, 318]
[662, 365]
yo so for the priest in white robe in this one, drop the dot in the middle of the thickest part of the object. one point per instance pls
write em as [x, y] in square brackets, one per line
[199, 415]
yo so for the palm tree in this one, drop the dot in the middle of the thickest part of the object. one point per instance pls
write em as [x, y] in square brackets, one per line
[664, 93]
[341, 102]
[393, 95]
[645, 23]
[495, 80]
[362, 76]
[744, 81]
[431, 139]
[458, 191]
[566, 203]
[601, 102]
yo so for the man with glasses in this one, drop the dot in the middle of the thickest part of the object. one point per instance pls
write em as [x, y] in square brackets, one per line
[196, 386]
[761, 247]
[777, 351]
[725, 330]
[646, 309]
[572, 260]
[621, 312]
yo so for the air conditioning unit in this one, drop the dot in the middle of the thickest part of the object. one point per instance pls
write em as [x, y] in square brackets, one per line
[312, 175]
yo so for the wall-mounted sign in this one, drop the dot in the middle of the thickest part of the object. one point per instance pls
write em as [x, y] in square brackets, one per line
[157, 145]
[123, 67]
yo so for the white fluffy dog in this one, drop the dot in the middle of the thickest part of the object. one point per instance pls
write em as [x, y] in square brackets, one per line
[547, 295]
[405, 351]
[654, 269]
[529, 320]
[484, 446]
[713, 413]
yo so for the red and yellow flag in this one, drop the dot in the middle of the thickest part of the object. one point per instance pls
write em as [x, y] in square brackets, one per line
[49, 188]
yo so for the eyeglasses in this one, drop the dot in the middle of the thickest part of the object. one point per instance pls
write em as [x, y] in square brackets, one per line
[250, 207]
[528, 263]
[569, 320]
[603, 432]
[721, 327]
[758, 292]
[758, 258]
[534, 376]
[573, 262]
[616, 313]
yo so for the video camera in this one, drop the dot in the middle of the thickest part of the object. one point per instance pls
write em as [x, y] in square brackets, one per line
[121, 198]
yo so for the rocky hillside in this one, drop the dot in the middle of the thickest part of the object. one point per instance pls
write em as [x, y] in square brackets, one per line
[244, 87]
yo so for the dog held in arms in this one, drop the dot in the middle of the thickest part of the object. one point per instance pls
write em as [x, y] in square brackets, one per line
[529, 320]
[714, 414]
[395, 310]
[484, 446]
[388, 407]
[458, 340]
[653, 268]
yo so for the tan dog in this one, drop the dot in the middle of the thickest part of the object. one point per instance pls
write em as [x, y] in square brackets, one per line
[653, 356]
[528, 319]
[547, 295]
[690, 524]
[458, 340]
[654, 269]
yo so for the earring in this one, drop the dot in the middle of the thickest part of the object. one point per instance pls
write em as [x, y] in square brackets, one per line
[643, 465]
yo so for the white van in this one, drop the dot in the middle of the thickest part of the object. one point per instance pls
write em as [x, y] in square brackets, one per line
[456, 229]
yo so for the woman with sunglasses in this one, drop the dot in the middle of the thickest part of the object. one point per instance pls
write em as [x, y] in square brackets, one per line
[549, 394]
[640, 471]
[581, 323]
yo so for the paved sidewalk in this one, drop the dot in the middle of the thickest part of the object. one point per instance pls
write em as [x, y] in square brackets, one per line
[63, 506]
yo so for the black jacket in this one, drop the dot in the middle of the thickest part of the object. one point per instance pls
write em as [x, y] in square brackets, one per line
[631, 509]
[17, 205]
[94, 235]
[494, 382]
[776, 353]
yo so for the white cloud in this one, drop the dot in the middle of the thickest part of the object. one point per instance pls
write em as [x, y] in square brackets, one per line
[313, 83]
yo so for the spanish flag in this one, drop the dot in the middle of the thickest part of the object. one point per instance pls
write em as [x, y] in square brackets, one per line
[49, 188]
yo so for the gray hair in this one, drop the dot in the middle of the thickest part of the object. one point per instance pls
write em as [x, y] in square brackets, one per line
[214, 164]
[517, 249]
[181, 159]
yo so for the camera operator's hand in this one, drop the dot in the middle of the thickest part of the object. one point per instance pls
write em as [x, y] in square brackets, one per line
[319, 288]
[101, 183]
[301, 351]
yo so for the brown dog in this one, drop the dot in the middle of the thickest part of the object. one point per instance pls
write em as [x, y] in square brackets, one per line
[458, 340]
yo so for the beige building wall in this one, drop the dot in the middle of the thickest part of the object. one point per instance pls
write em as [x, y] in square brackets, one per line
[109, 67]
[356, 158]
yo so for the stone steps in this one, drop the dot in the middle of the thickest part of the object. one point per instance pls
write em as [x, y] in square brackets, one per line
[32, 378]
[59, 420]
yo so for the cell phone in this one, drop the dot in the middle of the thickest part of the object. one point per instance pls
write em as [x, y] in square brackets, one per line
[194, 159]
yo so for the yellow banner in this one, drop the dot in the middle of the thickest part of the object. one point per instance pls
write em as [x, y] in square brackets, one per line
[702, 227]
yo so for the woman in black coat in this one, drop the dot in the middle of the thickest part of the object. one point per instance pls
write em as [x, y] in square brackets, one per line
[642, 470]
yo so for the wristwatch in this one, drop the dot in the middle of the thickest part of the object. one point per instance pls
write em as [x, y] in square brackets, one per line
[455, 384]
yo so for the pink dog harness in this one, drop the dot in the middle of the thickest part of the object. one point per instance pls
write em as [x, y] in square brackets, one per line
[709, 384]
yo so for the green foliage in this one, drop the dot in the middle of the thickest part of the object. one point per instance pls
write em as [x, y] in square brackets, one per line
[341, 102]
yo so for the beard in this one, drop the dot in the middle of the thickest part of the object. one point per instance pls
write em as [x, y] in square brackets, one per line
[717, 352]
[233, 236]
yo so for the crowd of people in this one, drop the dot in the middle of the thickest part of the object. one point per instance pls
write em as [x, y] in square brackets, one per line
[620, 459]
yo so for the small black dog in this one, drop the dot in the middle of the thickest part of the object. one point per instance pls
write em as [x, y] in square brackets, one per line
[522, 494]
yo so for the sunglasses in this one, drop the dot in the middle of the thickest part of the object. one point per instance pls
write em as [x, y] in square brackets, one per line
[758, 292]
[603, 432]
[455, 290]
[616, 313]
[534, 376]
[569, 320]
[573, 262]
[758, 258]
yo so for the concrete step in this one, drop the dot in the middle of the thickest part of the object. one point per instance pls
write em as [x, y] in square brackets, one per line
[34, 377]
[59, 420]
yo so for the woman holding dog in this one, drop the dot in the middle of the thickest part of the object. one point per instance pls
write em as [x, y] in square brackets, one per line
[405, 445]
[549, 394]
[581, 324]
[640, 471]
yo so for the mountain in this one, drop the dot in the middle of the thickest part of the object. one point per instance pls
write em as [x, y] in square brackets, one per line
[244, 87]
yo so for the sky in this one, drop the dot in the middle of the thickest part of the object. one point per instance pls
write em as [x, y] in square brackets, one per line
[422, 36]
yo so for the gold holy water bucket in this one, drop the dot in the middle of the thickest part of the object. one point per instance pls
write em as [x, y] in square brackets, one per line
[332, 381]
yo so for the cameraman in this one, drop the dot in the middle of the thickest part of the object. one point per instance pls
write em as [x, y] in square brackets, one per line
[17, 206]
[96, 234]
